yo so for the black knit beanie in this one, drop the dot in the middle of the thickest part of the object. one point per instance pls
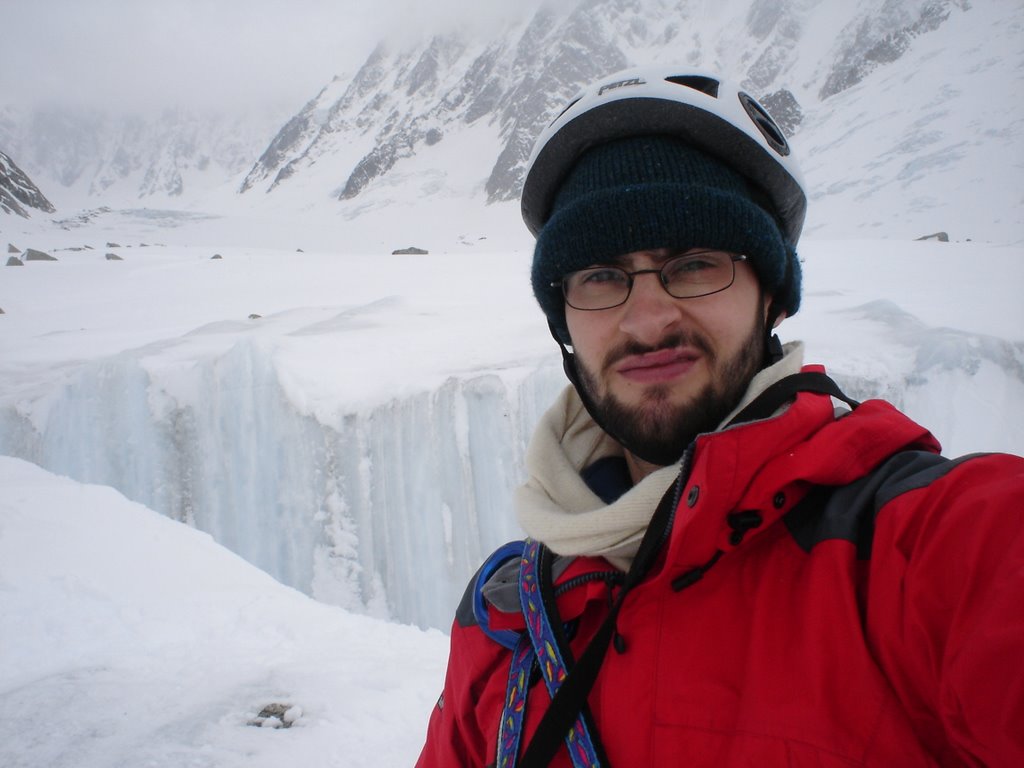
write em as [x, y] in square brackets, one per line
[653, 192]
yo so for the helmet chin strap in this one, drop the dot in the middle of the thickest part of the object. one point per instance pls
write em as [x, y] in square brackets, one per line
[772, 346]
[772, 349]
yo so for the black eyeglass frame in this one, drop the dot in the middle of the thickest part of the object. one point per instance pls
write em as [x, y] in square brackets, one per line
[660, 272]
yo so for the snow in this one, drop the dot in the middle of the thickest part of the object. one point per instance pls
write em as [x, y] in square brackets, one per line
[265, 478]
[130, 639]
[941, 134]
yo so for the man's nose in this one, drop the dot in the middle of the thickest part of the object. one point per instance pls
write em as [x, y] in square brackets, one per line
[649, 310]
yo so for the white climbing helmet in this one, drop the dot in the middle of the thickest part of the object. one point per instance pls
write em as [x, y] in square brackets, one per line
[694, 106]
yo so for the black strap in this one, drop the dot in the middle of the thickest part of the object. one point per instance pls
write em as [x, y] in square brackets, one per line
[571, 698]
[784, 390]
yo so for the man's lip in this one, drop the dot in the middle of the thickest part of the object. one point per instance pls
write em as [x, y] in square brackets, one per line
[657, 366]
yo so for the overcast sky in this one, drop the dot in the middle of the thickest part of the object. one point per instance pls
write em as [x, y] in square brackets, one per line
[137, 53]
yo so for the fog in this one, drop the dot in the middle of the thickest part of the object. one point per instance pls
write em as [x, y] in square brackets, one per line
[139, 56]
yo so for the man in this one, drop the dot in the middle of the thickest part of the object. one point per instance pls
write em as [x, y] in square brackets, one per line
[723, 568]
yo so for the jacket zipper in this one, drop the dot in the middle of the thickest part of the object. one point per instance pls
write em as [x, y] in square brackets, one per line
[684, 477]
[609, 577]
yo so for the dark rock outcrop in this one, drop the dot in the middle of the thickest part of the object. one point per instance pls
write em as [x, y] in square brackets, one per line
[33, 255]
[882, 38]
[18, 192]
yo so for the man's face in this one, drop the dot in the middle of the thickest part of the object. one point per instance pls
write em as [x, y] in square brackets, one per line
[661, 370]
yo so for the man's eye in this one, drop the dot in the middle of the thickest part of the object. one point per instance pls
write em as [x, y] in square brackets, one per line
[684, 268]
[603, 276]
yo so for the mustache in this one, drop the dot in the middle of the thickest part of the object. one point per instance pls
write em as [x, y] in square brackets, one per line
[631, 347]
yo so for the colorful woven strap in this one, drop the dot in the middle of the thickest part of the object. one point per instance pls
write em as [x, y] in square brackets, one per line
[538, 645]
[511, 729]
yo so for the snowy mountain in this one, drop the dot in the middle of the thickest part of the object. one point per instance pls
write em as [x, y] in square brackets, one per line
[402, 101]
[17, 191]
[449, 120]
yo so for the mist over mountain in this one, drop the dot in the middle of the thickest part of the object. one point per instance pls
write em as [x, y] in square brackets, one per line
[454, 115]
[102, 157]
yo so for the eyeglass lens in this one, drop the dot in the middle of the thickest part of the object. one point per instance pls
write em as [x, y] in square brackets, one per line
[683, 277]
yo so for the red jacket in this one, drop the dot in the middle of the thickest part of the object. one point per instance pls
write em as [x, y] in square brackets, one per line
[874, 618]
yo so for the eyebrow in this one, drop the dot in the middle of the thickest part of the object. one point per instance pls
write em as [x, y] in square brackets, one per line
[658, 255]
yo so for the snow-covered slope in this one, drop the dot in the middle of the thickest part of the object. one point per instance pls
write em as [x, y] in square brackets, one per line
[932, 143]
[129, 639]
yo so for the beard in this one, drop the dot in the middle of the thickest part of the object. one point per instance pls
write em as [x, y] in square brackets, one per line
[658, 430]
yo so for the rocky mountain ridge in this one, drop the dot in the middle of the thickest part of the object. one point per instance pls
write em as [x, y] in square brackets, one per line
[18, 192]
[402, 101]
[375, 130]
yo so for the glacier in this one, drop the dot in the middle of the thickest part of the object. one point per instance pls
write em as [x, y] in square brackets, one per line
[386, 512]
[366, 454]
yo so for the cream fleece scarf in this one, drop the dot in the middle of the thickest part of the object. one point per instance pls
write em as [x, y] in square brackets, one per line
[556, 507]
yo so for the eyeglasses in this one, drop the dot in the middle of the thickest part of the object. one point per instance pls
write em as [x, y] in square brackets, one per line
[683, 277]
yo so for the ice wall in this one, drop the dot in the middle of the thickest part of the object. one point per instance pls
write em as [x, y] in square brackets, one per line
[389, 511]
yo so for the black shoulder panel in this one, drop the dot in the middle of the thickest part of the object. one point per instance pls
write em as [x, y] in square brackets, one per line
[848, 512]
[920, 475]
[464, 614]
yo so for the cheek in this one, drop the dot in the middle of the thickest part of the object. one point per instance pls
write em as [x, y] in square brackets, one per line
[583, 331]
[742, 308]
[591, 340]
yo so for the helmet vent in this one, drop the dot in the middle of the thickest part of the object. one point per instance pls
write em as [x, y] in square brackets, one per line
[706, 85]
[765, 124]
[568, 106]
